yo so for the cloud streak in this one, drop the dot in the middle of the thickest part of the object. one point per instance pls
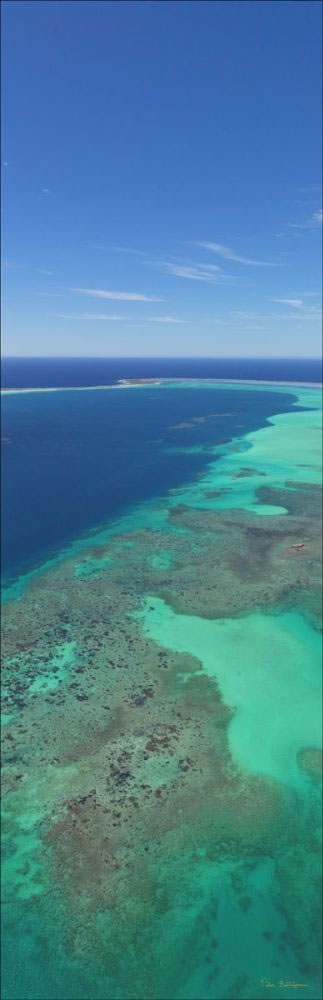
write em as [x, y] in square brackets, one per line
[100, 293]
[227, 254]
[313, 222]
[163, 319]
[313, 313]
[196, 272]
[91, 316]
[126, 319]
[291, 302]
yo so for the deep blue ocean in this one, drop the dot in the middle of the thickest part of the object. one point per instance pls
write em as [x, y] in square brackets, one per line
[74, 461]
[34, 372]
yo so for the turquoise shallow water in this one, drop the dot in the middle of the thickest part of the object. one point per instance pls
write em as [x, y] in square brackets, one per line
[289, 450]
[162, 736]
[268, 669]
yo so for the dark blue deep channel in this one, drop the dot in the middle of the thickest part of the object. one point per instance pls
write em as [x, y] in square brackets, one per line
[74, 460]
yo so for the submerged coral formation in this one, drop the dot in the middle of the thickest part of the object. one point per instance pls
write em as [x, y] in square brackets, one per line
[161, 757]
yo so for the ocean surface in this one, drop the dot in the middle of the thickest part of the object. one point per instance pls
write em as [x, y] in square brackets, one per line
[86, 459]
[32, 372]
[161, 681]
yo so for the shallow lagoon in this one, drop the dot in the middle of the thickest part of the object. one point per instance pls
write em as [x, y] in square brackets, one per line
[162, 731]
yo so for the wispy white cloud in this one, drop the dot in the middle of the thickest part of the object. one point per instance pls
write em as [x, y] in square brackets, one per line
[229, 254]
[303, 315]
[41, 270]
[98, 293]
[312, 222]
[291, 302]
[91, 316]
[163, 319]
[125, 319]
[195, 272]
[299, 304]
[178, 267]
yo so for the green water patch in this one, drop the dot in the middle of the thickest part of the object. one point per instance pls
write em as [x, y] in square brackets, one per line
[89, 567]
[225, 931]
[194, 449]
[48, 675]
[22, 871]
[7, 718]
[268, 668]
[22, 868]
[59, 669]
[161, 560]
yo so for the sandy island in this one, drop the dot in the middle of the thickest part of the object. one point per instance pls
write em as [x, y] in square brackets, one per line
[124, 383]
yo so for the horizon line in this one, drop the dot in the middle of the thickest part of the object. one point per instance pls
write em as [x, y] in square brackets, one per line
[161, 357]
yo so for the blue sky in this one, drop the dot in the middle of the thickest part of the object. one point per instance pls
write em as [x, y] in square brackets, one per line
[161, 178]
